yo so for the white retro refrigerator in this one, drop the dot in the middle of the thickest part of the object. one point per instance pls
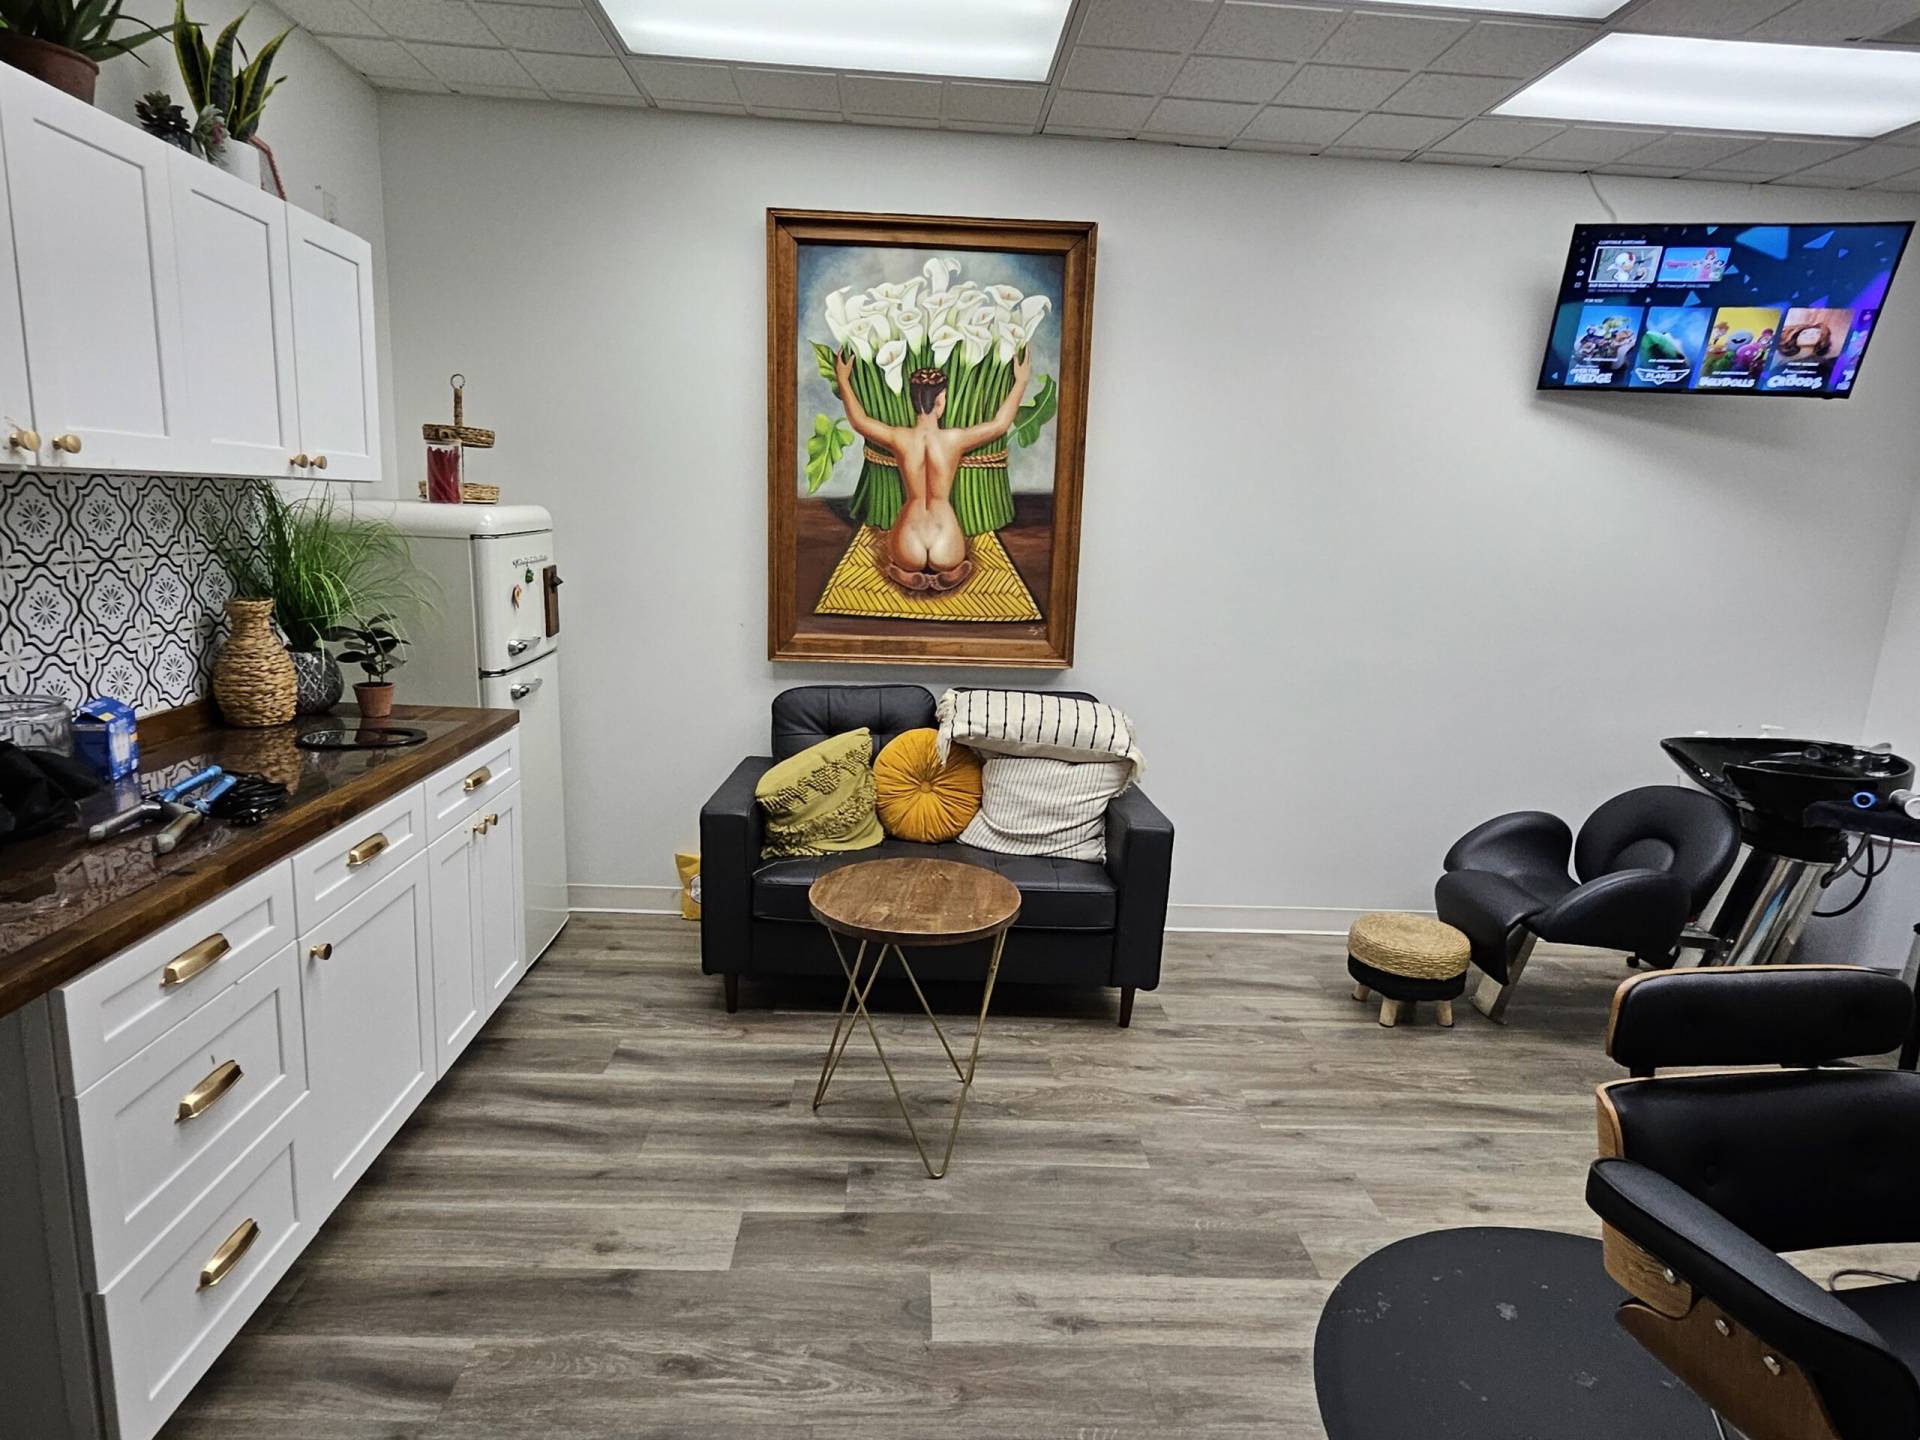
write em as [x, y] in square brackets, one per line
[492, 638]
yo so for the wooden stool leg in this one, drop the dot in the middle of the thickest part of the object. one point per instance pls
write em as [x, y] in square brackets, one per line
[1443, 1012]
[1360, 992]
[1389, 1012]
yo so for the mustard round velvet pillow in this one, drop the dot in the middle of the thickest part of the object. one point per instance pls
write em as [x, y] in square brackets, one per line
[918, 797]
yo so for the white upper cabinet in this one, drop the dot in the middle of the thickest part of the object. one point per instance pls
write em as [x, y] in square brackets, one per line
[237, 310]
[94, 251]
[18, 441]
[334, 363]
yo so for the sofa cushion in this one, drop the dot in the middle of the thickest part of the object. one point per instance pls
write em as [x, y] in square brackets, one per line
[1054, 894]
[808, 714]
[821, 800]
[920, 798]
[1030, 805]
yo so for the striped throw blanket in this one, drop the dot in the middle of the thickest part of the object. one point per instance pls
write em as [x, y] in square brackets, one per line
[1026, 722]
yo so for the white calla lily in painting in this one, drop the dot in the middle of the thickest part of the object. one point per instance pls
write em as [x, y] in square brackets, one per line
[892, 358]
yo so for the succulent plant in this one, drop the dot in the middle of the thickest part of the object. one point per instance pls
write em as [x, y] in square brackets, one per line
[160, 117]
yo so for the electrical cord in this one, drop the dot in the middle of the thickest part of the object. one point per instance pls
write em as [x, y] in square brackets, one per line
[1867, 876]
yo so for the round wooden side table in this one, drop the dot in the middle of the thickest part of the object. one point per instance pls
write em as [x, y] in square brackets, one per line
[887, 905]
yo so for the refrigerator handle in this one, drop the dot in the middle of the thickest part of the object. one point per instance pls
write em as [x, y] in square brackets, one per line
[518, 647]
[525, 688]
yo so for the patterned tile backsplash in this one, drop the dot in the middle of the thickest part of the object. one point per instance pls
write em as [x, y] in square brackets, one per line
[108, 586]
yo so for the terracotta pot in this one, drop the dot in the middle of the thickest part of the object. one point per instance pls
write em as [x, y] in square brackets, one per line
[60, 67]
[253, 677]
[376, 701]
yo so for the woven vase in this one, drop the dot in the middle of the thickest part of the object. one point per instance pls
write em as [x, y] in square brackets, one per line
[253, 677]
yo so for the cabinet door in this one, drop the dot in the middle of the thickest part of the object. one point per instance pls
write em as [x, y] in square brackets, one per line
[237, 316]
[16, 401]
[500, 919]
[336, 371]
[99, 289]
[367, 987]
[454, 882]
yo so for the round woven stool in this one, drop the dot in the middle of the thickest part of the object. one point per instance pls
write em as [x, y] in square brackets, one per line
[1407, 958]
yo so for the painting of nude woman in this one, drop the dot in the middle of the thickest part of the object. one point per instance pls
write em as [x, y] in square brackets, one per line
[927, 404]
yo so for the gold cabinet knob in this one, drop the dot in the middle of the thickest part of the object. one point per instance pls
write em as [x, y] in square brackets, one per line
[299, 462]
[22, 439]
[321, 952]
[319, 462]
[68, 443]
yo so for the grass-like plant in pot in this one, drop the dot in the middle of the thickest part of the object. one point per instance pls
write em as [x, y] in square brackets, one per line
[322, 565]
[63, 41]
[227, 99]
[374, 644]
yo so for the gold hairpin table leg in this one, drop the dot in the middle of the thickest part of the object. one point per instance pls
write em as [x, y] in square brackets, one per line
[859, 986]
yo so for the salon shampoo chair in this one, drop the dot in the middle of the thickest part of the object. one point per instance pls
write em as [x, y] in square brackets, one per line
[1646, 861]
[1704, 1178]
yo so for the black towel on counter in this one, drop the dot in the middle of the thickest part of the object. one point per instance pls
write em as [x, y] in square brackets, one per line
[39, 790]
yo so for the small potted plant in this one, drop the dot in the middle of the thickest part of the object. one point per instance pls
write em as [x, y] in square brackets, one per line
[374, 645]
[63, 41]
[227, 102]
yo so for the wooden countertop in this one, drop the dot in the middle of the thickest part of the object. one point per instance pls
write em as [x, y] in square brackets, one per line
[66, 905]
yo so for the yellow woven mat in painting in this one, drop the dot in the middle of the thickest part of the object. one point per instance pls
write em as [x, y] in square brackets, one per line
[994, 592]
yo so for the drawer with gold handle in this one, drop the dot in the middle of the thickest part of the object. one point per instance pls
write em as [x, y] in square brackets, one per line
[232, 1251]
[343, 863]
[474, 781]
[189, 963]
[222, 1078]
[366, 851]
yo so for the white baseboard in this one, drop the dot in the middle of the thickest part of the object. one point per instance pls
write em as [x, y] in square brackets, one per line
[1226, 919]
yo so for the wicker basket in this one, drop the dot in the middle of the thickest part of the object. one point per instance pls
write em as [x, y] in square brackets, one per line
[471, 494]
[253, 677]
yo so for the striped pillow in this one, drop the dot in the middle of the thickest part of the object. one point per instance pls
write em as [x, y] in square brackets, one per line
[1027, 722]
[1031, 805]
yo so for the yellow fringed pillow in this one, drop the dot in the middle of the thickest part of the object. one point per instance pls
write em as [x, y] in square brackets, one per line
[918, 797]
[820, 801]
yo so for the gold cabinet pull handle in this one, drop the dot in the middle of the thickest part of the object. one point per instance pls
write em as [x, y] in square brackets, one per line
[189, 963]
[299, 462]
[68, 443]
[321, 952]
[196, 1101]
[366, 850]
[21, 438]
[220, 1264]
[474, 781]
[319, 462]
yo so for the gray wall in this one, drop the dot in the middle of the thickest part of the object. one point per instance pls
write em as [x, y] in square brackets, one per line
[1357, 584]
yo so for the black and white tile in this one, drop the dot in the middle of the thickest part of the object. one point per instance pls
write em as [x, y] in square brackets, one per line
[108, 585]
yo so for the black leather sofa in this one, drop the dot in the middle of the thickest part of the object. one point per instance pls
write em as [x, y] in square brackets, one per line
[1081, 923]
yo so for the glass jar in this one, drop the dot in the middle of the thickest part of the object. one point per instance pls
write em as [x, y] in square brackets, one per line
[37, 722]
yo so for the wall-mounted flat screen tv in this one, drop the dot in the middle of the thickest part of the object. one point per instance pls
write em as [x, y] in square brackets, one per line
[1721, 309]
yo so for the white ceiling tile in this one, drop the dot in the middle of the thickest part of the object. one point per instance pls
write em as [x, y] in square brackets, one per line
[1395, 132]
[1905, 34]
[1557, 167]
[1081, 110]
[1779, 157]
[411, 87]
[1870, 162]
[465, 65]
[771, 90]
[382, 58]
[1592, 144]
[1084, 133]
[1909, 136]
[543, 27]
[903, 122]
[1833, 22]
[1269, 32]
[1011, 105]
[331, 17]
[1211, 119]
[449, 22]
[1363, 152]
[1269, 147]
[685, 82]
[500, 92]
[1403, 41]
[1145, 24]
[1734, 177]
[987, 127]
[698, 108]
[1437, 157]
[1119, 72]
[1717, 19]
[871, 95]
[1499, 47]
[1906, 184]
[1458, 96]
[1341, 87]
[1809, 181]
[1285, 125]
[1651, 172]
[1218, 77]
[577, 74]
[1505, 138]
[1688, 152]
[633, 100]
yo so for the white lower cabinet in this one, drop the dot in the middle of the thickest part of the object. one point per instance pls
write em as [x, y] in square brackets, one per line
[199, 1103]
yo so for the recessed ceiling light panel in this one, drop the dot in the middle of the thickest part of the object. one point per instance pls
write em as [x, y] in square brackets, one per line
[1730, 85]
[1568, 9]
[981, 39]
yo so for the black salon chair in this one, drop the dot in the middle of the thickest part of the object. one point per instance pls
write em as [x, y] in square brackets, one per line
[1647, 862]
[1704, 1179]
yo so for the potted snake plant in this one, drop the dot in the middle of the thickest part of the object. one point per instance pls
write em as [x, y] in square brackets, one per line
[63, 41]
[227, 98]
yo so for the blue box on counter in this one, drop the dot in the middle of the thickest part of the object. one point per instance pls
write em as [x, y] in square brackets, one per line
[106, 738]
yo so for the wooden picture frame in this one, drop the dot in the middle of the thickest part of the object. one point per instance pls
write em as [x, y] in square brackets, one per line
[851, 574]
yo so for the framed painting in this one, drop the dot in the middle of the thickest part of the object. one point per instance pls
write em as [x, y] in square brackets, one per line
[927, 413]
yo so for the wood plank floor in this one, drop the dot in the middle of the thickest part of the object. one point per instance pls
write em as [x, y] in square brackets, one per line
[618, 1216]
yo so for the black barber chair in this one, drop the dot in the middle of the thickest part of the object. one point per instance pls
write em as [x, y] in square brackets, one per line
[1705, 1178]
[1647, 862]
